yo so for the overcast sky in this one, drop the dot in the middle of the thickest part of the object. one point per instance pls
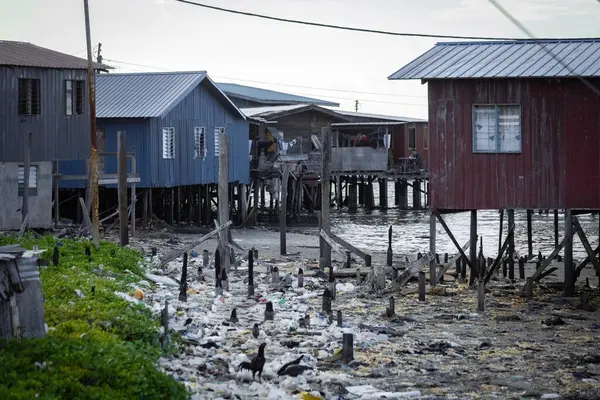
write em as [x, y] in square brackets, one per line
[232, 48]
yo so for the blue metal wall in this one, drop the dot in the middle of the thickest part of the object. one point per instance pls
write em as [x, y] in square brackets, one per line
[54, 134]
[144, 137]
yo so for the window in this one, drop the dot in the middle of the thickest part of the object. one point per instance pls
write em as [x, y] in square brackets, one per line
[29, 96]
[199, 143]
[168, 143]
[33, 180]
[75, 97]
[497, 129]
[218, 131]
[425, 137]
[412, 139]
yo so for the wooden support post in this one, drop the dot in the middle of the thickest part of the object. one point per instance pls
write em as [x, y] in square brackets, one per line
[347, 347]
[390, 254]
[480, 295]
[269, 312]
[555, 229]
[529, 234]
[511, 247]
[325, 191]
[417, 205]
[453, 239]
[26, 171]
[250, 274]
[383, 193]
[403, 195]
[421, 286]
[522, 268]
[183, 283]
[122, 188]
[569, 284]
[223, 204]
[300, 278]
[529, 289]
[473, 248]
[133, 195]
[501, 227]
[432, 239]
[352, 194]
[338, 191]
[339, 318]
[283, 210]
[586, 244]
[326, 302]
[496, 263]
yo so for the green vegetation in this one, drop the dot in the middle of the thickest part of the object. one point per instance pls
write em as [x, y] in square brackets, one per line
[99, 346]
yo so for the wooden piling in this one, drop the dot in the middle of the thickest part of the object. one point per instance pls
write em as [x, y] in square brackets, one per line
[473, 248]
[421, 286]
[283, 210]
[165, 324]
[390, 255]
[326, 303]
[481, 295]
[218, 286]
[55, 257]
[122, 188]
[183, 283]
[383, 193]
[250, 274]
[224, 280]
[223, 203]
[326, 192]
[511, 247]
[556, 229]
[275, 275]
[206, 258]
[529, 234]
[269, 312]
[392, 306]
[529, 289]
[522, 268]
[347, 347]
[432, 242]
[500, 234]
[417, 205]
[300, 277]
[339, 318]
[332, 283]
[569, 284]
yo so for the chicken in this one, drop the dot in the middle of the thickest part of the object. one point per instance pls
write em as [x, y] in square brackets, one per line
[255, 331]
[256, 364]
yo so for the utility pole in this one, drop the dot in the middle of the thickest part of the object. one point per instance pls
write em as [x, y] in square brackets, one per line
[356, 106]
[94, 139]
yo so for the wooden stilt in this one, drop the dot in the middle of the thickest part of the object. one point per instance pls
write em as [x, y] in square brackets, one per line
[569, 284]
[432, 240]
[122, 188]
[283, 214]
[501, 227]
[529, 234]
[473, 248]
[555, 229]
[325, 192]
[511, 247]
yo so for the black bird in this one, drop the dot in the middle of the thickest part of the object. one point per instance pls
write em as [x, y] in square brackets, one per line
[295, 362]
[295, 370]
[256, 364]
[255, 331]
[233, 317]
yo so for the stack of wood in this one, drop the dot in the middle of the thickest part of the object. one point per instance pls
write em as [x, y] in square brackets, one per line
[10, 280]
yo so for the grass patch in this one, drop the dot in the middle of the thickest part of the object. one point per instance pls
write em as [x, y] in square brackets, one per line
[99, 346]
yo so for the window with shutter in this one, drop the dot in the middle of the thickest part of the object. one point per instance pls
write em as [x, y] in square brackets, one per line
[29, 97]
[74, 97]
[218, 131]
[168, 138]
[199, 143]
[33, 180]
[497, 128]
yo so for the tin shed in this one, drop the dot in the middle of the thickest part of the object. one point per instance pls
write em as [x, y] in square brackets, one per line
[172, 121]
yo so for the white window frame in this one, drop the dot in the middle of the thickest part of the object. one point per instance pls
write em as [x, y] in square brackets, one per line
[168, 142]
[499, 131]
[74, 97]
[218, 130]
[33, 180]
[200, 149]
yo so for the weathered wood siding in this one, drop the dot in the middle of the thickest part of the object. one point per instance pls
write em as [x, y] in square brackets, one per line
[558, 167]
[400, 139]
[55, 135]
[303, 125]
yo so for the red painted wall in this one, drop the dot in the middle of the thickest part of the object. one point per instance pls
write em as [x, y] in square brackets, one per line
[400, 141]
[559, 166]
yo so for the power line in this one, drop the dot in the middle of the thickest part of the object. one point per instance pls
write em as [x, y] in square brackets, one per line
[340, 27]
[298, 86]
[554, 56]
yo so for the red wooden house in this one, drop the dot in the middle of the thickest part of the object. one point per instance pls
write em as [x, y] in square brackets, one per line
[514, 125]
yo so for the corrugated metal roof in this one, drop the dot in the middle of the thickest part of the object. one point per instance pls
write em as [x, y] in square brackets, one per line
[269, 96]
[271, 110]
[379, 116]
[23, 54]
[506, 59]
[142, 95]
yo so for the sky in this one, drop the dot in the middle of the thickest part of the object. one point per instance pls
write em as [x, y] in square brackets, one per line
[335, 65]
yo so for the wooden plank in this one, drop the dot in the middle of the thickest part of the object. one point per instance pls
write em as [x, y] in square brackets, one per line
[86, 216]
[352, 249]
[449, 233]
[496, 264]
[414, 268]
[176, 253]
[332, 244]
[586, 245]
[585, 262]
[452, 260]
[122, 189]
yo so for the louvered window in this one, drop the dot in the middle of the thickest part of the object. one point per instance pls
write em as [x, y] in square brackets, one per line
[33, 180]
[199, 143]
[75, 97]
[218, 131]
[29, 97]
[497, 129]
[168, 137]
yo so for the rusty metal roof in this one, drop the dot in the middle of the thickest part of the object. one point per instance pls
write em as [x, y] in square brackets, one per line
[506, 59]
[23, 54]
[260, 95]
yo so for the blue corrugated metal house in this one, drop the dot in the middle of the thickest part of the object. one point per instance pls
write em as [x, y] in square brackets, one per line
[172, 121]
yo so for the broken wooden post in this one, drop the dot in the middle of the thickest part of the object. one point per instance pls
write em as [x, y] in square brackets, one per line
[154, 251]
[474, 273]
[269, 312]
[218, 286]
[529, 235]
[511, 247]
[300, 277]
[223, 199]
[446, 258]
[55, 256]
[88, 253]
[325, 193]
[224, 280]
[392, 307]
[432, 242]
[421, 286]
[250, 274]
[481, 294]
[326, 304]
[205, 258]
[347, 347]
[529, 289]
[200, 277]
[458, 263]
[569, 284]
[233, 318]
[122, 188]
[556, 229]
[389, 250]
[339, 318]
[358, 277]
[283, 210]
[275, 275]
[165, 324]
[348, 259]
[394, 274]
[183, 283]
[332, 283]
[522, 268]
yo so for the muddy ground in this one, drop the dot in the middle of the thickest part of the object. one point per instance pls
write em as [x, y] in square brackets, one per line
[442, 348]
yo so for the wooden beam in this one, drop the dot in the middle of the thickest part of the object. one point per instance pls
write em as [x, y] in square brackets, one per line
[283, 210]
[585, 262]
[449, 233]
[586, 245]
[223, 204]
[353, 249]
[569, 283]
[496, 264]
[414, 268]
[452, 260]
[334, 246]
[326, 191]
[176, 253]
